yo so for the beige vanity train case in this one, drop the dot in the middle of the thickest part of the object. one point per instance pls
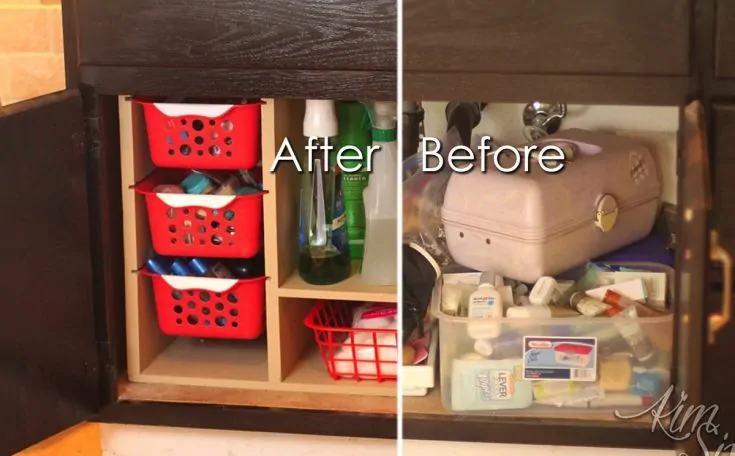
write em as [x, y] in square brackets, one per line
[525, 225]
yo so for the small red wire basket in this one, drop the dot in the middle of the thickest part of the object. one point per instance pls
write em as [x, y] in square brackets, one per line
[229, 227]
[203, 136]
[209, 307]
[360, 354]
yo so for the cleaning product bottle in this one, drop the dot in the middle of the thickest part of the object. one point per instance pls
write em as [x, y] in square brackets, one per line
[379, 259]
[485, 305]
[324, 256]
[354, 130]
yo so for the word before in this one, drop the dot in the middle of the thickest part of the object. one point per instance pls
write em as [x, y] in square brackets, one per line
[462, 159]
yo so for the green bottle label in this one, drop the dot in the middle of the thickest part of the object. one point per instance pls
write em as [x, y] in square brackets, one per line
[353, 185]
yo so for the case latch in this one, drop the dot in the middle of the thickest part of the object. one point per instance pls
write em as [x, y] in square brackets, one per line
[607, 213]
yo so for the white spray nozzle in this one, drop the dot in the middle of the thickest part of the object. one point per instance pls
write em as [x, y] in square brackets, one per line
[382, 114]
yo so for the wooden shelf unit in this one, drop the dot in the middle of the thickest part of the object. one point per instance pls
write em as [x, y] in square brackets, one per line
[286, 359]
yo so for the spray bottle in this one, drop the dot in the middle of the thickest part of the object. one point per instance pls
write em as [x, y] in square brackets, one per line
[354, 131]
[324, 257]
[380, 197]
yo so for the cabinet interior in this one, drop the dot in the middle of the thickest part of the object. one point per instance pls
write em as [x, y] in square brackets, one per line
[281, 369]
[655, 126]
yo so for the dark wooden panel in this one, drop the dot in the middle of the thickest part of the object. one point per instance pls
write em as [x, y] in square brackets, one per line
[717, 360]
[630, 37]
[282, 34]
[549, 431]
[631, 90]
[49, 377]
[725, 39]
[255, 419]
[225, 82]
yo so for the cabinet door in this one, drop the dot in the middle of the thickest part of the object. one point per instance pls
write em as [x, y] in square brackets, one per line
[49, 378]
[718, 356]
[694, 202]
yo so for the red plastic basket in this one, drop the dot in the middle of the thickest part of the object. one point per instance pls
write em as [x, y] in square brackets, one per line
[203, 136]
[338, 344]
[202, 225]
[208, 307]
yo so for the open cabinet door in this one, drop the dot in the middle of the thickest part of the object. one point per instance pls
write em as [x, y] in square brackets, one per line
[49, 378]
[694, 203]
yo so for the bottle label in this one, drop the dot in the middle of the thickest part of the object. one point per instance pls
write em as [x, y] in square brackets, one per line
[495, 385]
[560, 358]
[339, 227]
[482, 307]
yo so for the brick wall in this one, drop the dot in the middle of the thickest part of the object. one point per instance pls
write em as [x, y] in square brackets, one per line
[31, 49]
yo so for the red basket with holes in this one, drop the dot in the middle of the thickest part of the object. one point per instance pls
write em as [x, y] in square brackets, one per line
[203, 136]
[208, 307]
[201, 225]
[356, 353]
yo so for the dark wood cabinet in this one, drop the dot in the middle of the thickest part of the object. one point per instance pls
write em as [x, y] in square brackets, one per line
[50, 373]
[274, 48]
[577, 37]
[725, 39]
[64, 329]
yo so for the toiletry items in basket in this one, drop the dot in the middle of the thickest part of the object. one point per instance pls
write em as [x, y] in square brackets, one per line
[525, 225]
[159, 264]
[362, 349]
[489, 385]
[205, 267]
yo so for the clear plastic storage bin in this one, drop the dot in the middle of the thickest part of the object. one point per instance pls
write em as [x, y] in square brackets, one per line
[544, 366]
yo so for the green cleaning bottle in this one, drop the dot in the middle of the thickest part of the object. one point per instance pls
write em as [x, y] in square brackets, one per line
[355, 130]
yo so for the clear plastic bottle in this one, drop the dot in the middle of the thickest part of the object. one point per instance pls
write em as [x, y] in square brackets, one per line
[380, 197]
[324, 256]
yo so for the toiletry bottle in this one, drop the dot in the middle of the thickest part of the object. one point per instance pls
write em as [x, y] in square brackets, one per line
[544, 292]
[485, 309]
[631, 331]
[197, 184]
[589, 307]
[354, 130]
[324, 256]
[209, 268]
[247, 268]
[159, 264]
[180, 268]
[379, 259]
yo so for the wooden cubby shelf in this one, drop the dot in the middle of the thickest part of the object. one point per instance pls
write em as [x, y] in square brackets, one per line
[286, 360]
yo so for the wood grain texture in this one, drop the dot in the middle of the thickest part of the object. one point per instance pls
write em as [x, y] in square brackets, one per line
[81, 440]
[623, 37]
[725, 39]
[517, 88]
[226, 82]
[272, 34]
[49, 377]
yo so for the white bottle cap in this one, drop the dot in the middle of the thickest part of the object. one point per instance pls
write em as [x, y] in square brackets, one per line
[543, 291]
[320, 119]
[484, 347]
[488, 278]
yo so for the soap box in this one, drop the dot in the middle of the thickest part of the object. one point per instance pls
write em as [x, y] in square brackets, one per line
[560, 358]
